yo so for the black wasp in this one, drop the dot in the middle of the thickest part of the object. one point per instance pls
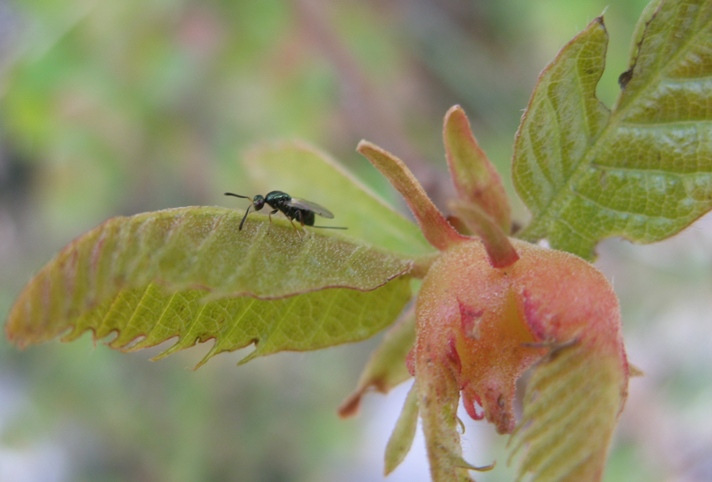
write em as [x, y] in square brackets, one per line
[299, 209]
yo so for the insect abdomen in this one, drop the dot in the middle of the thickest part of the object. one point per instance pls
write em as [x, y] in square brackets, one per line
[307, 217]
[302, 215]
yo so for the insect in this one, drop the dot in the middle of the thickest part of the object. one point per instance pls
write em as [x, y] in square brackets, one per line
[293, 208]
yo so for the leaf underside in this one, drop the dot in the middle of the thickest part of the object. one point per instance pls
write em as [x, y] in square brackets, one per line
[564, 434]
[304, 171]
[642, 171]
[189, 273]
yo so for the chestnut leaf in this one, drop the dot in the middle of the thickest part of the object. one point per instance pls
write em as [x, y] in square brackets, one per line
[190, 273]
[643, 170]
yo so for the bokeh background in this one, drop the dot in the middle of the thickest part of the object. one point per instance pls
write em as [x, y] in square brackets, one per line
[113, 108]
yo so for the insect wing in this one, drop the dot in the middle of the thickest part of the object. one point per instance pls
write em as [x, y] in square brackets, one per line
[310, 206]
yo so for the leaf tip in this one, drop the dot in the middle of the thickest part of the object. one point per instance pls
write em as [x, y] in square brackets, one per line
[350, 407]
[435, 227]
[475, 177]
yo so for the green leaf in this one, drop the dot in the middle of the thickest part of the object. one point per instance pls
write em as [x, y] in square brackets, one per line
[564, 434]
[644, 171]
[303, 171]
[190, 273]
[403, 434]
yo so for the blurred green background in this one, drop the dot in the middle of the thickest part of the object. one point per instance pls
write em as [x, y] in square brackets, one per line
[112, 108]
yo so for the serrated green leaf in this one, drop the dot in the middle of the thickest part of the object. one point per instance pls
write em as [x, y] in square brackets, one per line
[304, 171]
[564, 433]
[189, 272]
[644, 171]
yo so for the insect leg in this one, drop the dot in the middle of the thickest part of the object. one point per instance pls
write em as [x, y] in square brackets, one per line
[270, 215]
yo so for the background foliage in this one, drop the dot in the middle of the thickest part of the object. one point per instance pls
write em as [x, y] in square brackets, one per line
[123, 107]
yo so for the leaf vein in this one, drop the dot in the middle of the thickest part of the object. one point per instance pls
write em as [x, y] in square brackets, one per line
[134, 318]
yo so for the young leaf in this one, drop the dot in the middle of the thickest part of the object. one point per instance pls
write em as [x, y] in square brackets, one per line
[566, 437]
[475, 177]
[644, 171]
[500, 251]
[190, 273]
[403, 434]
[437, 230]
[482, 204]
[304, 171]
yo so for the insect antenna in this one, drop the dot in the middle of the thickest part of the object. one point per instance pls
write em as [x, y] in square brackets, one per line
[236, 195]
[330, 227]
[245, 216]
[246, 211]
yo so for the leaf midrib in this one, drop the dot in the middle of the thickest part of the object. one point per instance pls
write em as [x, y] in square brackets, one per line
[549, 213]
